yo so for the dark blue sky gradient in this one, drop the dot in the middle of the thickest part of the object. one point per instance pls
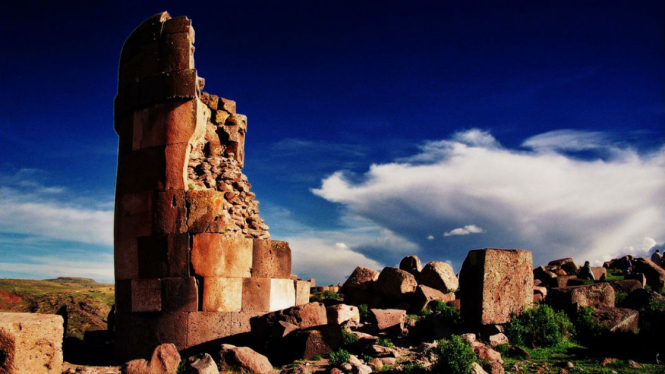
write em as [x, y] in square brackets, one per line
[356, 82]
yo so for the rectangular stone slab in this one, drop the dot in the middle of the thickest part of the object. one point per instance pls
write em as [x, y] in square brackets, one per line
[215, 255]
[495, 283]
[271, 259]
[256, 294]
[282, 294]
[31, 343]
[222, 294]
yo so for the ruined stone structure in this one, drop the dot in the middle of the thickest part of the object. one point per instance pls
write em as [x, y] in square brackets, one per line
[193, 259]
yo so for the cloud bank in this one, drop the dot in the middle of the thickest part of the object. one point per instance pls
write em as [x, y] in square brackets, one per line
[543, 196]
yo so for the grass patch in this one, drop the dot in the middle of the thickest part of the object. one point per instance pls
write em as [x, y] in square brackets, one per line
[385, 342]
[339, 357]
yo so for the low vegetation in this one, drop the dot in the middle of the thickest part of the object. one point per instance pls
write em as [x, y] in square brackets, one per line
[455, 356]
[539, 327]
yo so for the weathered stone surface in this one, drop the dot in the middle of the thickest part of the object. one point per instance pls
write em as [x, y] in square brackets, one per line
[394, 283]
[424, 295]
[387, 319]
[31, 343]
[243, 360]
[498, 339]
[271, 259]
[411, 264]
[494, 284]
[654, 273]
[548, 278]
[179, 295]
[477, 369]
[256, 294]
[617, 319]
[222, 294]
[302, 291]
[146, 295]
[540, 290]
[282, 294]
[203, 364]
[626, 286]
[164, 360]
[595, 295]
[215, 255]
[567, 264]
[641, 298]
[564, 280]
[599, 273]
[361, 278]
[340, 313]
[440, 276]
[137, 334]
[207, 326]
[310, 343]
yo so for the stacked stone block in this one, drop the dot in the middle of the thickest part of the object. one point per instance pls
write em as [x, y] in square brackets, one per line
[193, 259]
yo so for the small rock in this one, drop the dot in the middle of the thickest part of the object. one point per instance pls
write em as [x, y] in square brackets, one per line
[563, 371]
[388, 361]
[335, 371]
[607, 361]
[570, 365]
[469, 337]
[203, 365]
[353, 360]
[346, 367]
[634, 364]
[477, 369]
[243, 359]
[375, 364]
[498, 339]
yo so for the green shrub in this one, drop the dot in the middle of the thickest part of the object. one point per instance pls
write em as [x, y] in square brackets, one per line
[455, 356]
[449, 313]
[326, 295]
[619, 297]
[339, 357]
[412, 367]
[586, 328]
[363, 309]
[385, 342]
[539, 327]
[349, 338]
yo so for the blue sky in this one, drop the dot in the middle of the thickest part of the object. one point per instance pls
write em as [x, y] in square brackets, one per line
[376, 130]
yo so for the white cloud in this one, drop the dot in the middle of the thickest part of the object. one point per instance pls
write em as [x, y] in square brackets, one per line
[548, 202]
[430, 237]
[565, 139]
[42, 212]
[466, 230]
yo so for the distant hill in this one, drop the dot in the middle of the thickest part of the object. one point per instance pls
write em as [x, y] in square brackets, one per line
[87, 302]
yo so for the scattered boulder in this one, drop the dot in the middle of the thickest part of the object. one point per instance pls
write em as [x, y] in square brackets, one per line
[564, 280]
[358, 287]
[641, 298]
[243, 360]
[638, 277]
[597, 295]
[626, 286]
[548, 278]
[310, 343]
[165, 360]
[340, 313]
[498, 339]
[31, 343]
[617, 319]
[424, 295]
[439, 275]
[654, 273]
[387, 319]
[394, 284]
[412, 265]
[566, 264]
[203, 365]
[599, 273]
[495, 284]
[477, 369]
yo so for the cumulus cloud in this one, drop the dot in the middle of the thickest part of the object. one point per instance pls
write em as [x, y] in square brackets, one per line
[546, 201]
[431, 237]
[466, 230]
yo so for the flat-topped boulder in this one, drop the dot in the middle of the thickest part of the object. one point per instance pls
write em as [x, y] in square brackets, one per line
[394, 284]
[31, 343]
[494, 284]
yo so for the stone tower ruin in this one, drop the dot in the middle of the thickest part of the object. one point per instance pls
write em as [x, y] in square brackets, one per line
[193, 259]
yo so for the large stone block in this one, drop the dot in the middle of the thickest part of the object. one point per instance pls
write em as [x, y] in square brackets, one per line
[146, 295]
[361, 278]
[222, 294]
[411, 264]
[566, 264]
[302, 291]
[617, 319]
[206, 326]
[282, 294]
[142, 170]
[179, 295]
[163, 256]
[137, 335]
[215, 255]
[31, 343]
[596, 295]
[256, 294]
[176, 52]
[204, 207]
[495, 283]
[271, 259]
[126, 259]
[169, 212]
[655, 274]
[387, 319]
[425, 295]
